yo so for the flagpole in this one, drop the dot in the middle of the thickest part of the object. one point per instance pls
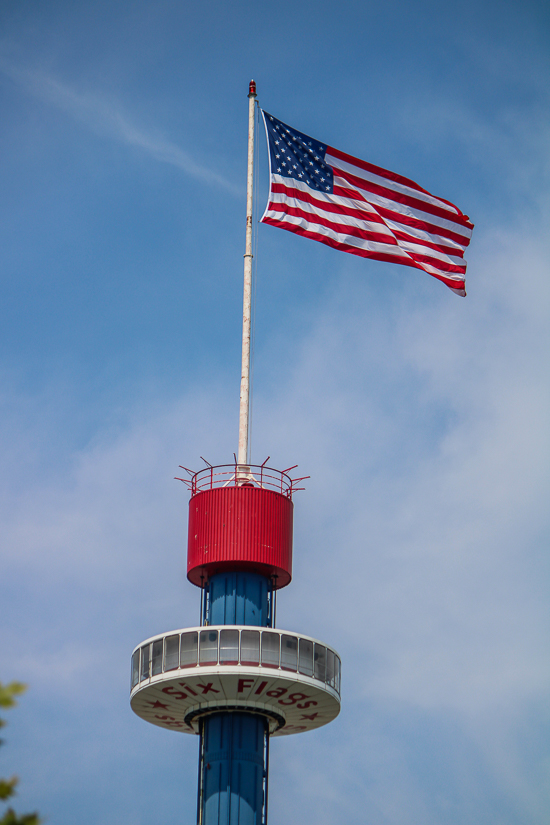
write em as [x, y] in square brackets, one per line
[242, 456]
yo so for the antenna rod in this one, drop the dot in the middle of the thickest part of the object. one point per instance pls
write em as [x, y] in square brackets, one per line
[247, 293]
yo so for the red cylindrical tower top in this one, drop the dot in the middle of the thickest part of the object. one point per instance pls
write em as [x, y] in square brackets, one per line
[240, 518]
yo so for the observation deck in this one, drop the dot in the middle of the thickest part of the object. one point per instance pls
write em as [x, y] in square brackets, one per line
[182, 676]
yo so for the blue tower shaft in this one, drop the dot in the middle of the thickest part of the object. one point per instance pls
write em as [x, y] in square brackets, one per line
[234, 745]
[239, 598]
[233, 758]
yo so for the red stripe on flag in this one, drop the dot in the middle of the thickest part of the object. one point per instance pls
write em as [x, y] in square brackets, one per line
[407, 220]
[446, 250]
[385, 173]
[341, 228]
[362, 215]
[456, 284]
[362, 234]
[400, 197]
[328, 205]
[375, 170]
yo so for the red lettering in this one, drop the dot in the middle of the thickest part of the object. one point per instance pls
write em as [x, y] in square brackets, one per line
[244, 683]
[277, 692]
[176, 694]
[292, 698]
[262, 686]
[207, 689]
[188, 688]
[306, 705]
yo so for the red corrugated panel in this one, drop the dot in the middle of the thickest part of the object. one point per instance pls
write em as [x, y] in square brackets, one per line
[240, 528]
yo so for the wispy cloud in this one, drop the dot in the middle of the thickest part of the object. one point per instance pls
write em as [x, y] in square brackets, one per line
[108, 118]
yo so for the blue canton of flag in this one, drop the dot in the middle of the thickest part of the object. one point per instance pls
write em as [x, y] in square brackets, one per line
[295, 155]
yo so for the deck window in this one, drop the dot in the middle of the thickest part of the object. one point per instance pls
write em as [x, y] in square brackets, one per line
[320, 662]
[250, 647]
[135, 668]
[145, 661]
[229, 647]
[270, 649]
[171, 652]
[305, 664]
[188, 649]
[208, 647]
[156, 663]
[289, 653]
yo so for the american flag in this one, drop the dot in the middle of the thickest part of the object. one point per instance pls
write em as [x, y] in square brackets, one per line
[349, 204]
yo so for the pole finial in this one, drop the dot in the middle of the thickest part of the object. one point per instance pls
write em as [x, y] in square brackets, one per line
[252, 88]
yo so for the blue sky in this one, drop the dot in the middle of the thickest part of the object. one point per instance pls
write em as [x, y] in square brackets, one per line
[421, 542]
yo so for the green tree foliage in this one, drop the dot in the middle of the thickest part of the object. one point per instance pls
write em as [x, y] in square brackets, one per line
[7, 786]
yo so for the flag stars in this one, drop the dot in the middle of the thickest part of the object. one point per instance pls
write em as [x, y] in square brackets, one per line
[294, 155]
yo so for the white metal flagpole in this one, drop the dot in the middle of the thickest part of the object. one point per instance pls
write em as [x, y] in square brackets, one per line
[242, 458]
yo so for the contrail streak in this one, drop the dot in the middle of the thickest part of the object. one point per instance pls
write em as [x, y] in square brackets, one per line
[105, 118]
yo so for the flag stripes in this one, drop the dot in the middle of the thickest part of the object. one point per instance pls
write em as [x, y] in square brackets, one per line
[365, 210]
